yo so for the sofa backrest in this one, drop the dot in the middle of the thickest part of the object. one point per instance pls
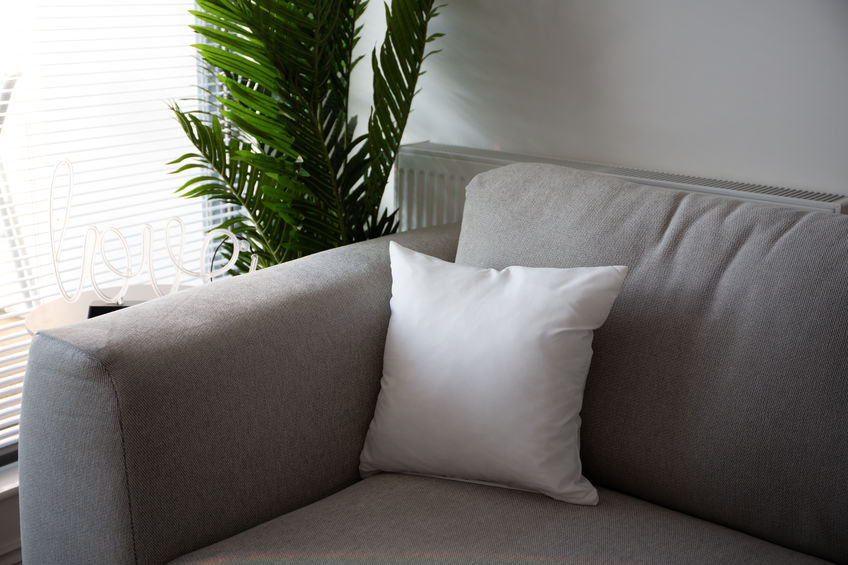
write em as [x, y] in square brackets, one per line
[719, 385]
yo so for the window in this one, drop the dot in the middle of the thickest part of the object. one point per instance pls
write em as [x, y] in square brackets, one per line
[88, 81]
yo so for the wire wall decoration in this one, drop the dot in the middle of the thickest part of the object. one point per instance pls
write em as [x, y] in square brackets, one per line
[95, 244]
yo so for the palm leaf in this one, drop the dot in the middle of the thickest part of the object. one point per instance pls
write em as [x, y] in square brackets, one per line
[396, 68]
[288, 152]
[226, 178]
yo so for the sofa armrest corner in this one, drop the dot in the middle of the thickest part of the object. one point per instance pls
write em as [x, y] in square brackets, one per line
[168, 426]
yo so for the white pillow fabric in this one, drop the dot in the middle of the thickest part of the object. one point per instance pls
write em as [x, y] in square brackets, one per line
[484, 372]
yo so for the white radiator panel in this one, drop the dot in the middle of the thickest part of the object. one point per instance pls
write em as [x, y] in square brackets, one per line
[430, 189]
[430, 182]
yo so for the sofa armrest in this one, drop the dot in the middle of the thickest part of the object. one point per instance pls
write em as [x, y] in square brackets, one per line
[165, 427]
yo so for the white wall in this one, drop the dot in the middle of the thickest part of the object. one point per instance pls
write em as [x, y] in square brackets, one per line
[753, 90]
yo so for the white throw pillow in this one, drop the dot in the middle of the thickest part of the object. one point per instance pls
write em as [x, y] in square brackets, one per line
[484, 372]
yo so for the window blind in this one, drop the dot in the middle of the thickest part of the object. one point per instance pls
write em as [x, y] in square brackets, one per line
[88, 81]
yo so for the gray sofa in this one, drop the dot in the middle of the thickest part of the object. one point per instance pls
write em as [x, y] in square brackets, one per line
[224, 424]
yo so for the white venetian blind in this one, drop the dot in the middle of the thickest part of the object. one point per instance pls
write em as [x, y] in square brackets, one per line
[88, 81]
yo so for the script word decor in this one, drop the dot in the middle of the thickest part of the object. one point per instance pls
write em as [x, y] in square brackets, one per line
[94, 246]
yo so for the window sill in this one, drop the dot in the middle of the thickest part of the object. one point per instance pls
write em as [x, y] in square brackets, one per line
[9, 480]
[10, 531]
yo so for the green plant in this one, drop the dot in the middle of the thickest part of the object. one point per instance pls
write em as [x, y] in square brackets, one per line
[281, 144]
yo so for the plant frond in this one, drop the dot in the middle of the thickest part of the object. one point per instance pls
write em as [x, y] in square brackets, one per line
[227, 178]
[281, 143]
[397, 68]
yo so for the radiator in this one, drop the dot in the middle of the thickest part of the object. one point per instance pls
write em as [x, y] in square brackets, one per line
[430, 182]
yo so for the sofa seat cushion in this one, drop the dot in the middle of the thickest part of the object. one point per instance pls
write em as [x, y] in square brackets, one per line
[391, 518]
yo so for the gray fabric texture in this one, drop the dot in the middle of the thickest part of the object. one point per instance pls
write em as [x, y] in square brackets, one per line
[388, 519]
[72, 485]
[165, 427]
[719, 383]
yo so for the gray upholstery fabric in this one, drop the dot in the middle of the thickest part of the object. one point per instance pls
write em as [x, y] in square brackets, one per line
[720, 380]
[72, 483]
[162, 428]
[389, 519]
